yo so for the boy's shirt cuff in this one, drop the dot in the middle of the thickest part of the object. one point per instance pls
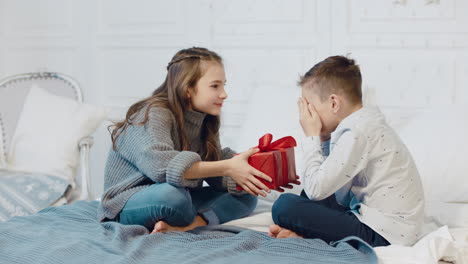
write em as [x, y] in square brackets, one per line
[313, 144]
[325, 146]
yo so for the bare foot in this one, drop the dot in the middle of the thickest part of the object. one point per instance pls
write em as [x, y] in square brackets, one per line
[279, 232]
[285, 233]
[163, 227]
[274, 230]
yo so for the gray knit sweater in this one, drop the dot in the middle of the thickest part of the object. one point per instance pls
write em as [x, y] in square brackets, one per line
[151, 153]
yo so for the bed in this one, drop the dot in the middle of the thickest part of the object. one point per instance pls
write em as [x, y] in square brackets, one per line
[71, 234]
[45, 141]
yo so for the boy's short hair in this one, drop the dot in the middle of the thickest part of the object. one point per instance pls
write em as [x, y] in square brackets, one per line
[335, 74]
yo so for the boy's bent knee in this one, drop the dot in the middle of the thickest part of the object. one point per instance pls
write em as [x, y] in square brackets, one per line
[285, 199]
[282, 205]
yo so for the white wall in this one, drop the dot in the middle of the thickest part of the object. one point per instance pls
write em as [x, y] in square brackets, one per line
[413, 53]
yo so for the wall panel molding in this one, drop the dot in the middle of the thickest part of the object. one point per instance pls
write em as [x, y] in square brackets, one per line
[143, 18]
[29, 59]
[38, 19]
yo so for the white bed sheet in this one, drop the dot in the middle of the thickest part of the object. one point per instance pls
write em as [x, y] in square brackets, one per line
[441, 244]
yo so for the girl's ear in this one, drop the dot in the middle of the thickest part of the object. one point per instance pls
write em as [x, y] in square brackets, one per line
[189, 91]
[335, 103]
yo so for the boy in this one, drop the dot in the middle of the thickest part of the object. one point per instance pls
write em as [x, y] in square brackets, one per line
[359, 178]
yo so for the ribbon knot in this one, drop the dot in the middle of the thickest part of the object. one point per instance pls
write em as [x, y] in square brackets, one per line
[265, 144]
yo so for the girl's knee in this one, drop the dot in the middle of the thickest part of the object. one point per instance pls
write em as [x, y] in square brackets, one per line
[246, 202]
[176, 198]
[250, 201]
[159, 202]
[167, 195]
[229, 207]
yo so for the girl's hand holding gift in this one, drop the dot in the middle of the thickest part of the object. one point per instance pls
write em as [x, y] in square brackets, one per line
[244, 174]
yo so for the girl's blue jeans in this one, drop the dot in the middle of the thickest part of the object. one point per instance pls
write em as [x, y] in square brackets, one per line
[179, 206]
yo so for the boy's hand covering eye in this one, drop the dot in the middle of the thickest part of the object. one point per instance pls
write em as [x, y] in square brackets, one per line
[309, 119]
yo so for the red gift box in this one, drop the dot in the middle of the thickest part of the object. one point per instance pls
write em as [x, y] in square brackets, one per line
[275, 159]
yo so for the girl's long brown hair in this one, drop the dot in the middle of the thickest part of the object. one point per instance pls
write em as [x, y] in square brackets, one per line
[183, 72]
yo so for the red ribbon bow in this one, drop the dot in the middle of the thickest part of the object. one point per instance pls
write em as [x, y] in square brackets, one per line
[265, 144]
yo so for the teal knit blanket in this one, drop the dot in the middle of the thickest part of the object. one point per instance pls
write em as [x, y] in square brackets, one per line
[72, 234]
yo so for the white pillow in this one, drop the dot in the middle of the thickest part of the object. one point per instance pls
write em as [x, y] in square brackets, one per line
[438, 141]
[272, 111]
[2, 146]
[48, 131]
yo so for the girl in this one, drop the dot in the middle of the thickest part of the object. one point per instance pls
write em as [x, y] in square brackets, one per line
[168, 145]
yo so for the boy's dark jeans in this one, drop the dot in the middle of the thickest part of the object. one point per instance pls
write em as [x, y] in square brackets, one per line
[324, 219]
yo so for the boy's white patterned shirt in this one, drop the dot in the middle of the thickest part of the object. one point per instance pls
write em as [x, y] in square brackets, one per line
[370, 170]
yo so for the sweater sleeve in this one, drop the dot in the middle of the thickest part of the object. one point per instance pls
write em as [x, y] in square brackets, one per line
[150, 148]
[225, 183]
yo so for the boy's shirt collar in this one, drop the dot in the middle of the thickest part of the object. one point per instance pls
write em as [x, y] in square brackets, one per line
[364, 113]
